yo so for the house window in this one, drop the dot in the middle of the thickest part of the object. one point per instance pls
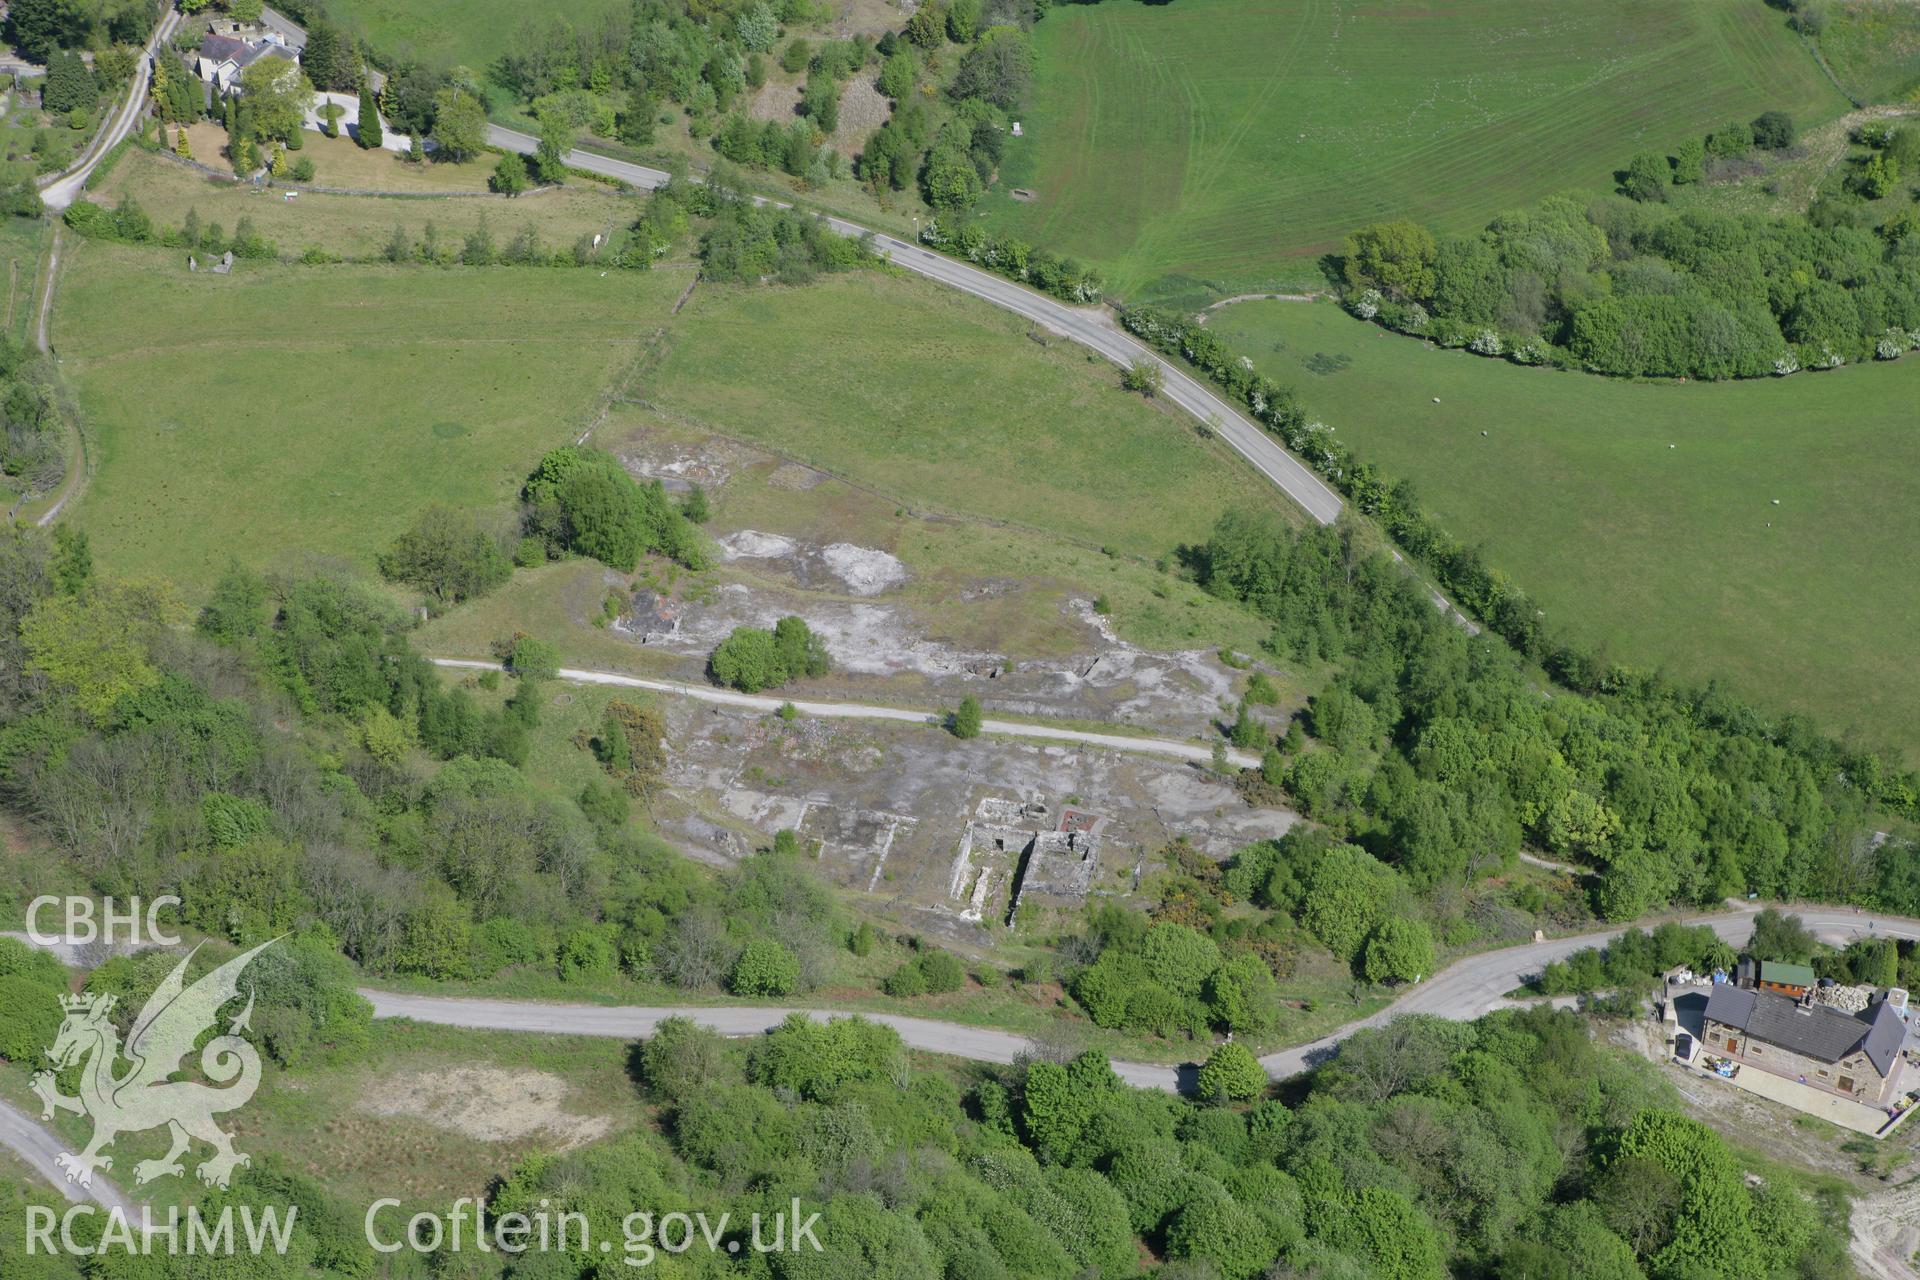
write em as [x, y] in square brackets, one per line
[1713, 1037]
[1753, 1050]
[1824, 1075]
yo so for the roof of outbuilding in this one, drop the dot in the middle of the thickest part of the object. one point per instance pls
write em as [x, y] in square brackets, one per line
[1787, 975]
[1819, 1032]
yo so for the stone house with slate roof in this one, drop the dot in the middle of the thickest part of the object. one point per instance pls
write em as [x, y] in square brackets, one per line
[1857, 1056]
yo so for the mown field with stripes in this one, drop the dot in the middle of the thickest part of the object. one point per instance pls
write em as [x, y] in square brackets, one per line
[1211, 146]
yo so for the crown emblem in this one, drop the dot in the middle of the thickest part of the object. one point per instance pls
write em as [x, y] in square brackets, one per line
[85, 1003]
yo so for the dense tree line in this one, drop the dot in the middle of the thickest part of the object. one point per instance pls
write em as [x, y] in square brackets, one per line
[951, 144]
[1437, 751]
[747, 243]
[288, 763]
[1510, 1148]
[1208, 955]
[39, 28]
[1635, 960]
[1014, 258]
[1624, 287]
[128, 223]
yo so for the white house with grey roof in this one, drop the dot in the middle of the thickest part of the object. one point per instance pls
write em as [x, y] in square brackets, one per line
[1854, 1055]
[222, 56]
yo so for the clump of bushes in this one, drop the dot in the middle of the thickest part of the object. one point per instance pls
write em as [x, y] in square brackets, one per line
[930, 973]
[581, 500]
[752, 658]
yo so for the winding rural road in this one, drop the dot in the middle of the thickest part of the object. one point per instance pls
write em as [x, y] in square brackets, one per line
[1464, 990]
[1091, 327]
[65, 189]
[1172, 747]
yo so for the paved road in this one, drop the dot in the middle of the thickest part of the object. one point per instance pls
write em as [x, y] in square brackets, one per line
[66, 188]
[1091, 327]
[1465, 990]
[1172, 747]
[22, 1134]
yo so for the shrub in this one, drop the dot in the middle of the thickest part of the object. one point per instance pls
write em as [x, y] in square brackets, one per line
[965, 720]
[1231, 1072]
[1773, 131]
[532, 659]
[582, 500]
[29, 1017]
[752, 659]
[929, 973]
[446, 555]
[764, 968]
[586, 951]
[1399, 950]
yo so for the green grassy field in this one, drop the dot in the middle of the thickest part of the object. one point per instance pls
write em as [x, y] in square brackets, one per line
[942, 401]
[358, 225]
[447, 33]
[1231, 141]
[1642, 516]
[1873, 47]
[286, 410]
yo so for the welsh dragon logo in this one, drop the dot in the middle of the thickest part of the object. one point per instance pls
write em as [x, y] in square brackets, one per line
[142, 1096]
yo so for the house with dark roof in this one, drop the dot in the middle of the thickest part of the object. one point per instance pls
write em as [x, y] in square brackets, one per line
[1855, 1055]
[222, 56]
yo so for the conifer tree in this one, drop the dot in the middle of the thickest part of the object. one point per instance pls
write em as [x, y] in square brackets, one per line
[369, 135]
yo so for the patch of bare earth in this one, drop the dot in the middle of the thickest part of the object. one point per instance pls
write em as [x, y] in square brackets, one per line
[775, 101]
[1886, 1232]
[863, 108]
[487, 1104]
[871, 17]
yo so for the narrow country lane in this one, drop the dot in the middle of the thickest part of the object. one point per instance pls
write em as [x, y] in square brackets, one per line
[1463, 991]
[66, 188]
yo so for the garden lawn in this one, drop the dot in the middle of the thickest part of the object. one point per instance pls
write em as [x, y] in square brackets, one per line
[940, 401]
[343, 164]
[284, 411]
[1226, 143]
[1642, 517]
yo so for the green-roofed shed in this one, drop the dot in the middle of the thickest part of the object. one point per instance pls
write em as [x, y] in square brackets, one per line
[1787, 979]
